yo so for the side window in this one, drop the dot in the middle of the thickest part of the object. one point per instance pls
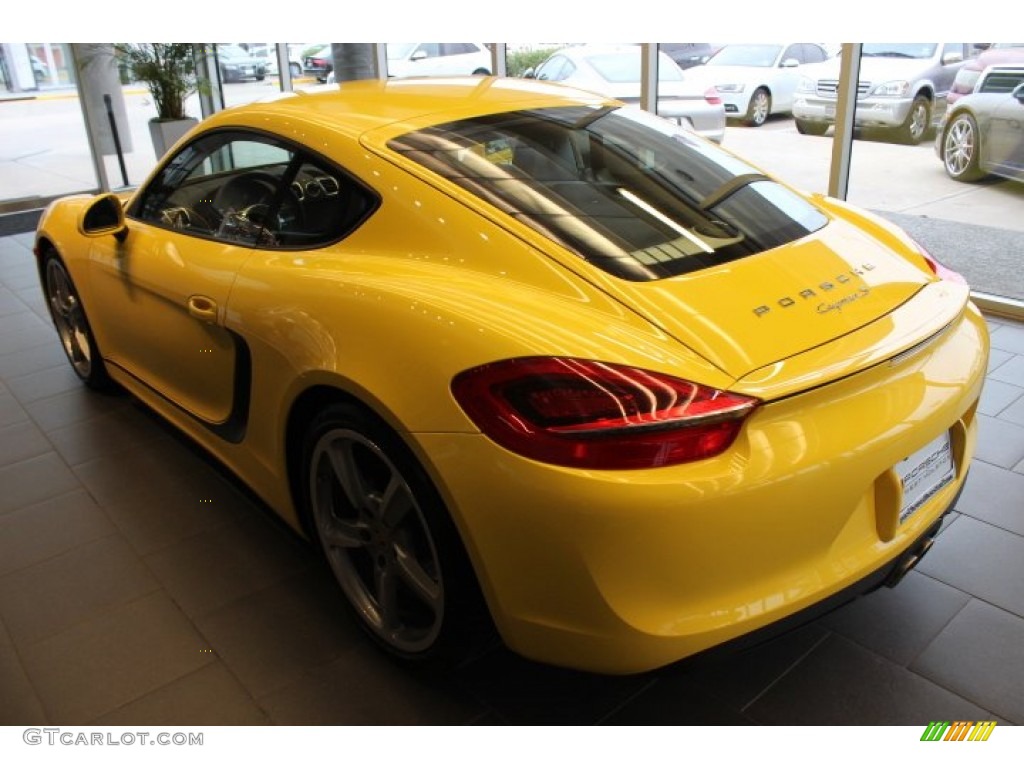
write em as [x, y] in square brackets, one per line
[455, 49]
[554, 69]
[812, 54]
[253, 191]
[953, 53]
[427, 51]
[216, 187]
[792, 52]
[1001, 81]
[320, 206]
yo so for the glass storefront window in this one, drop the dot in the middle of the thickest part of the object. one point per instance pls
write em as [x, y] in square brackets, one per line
[974, 224]
[45, 147]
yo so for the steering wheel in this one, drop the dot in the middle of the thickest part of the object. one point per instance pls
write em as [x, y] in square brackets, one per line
[249, 196]
[245, 190]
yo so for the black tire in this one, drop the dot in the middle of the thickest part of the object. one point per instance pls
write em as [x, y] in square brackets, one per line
[482, 71]
[260, 77]
[388, 539]
[961, 149]
[811, 128]
[68, 314]
[758, 108]
[917, 123]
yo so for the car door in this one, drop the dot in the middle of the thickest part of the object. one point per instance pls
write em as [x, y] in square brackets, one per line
[1006, 135]
[189, 232]
[785, 79]
[950, 62]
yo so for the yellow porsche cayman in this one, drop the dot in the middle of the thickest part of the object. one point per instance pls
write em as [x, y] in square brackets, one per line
[503, 348]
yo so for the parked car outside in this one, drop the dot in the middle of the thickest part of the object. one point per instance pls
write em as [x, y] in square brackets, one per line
[435, 60]
[319, 64]
[506, 350]
[688, 55]
[430, 59]
[982, 133]
[237, 64]
[614, 70]
[902, 89]
[267, 53]
[969, 75]
[757, 80]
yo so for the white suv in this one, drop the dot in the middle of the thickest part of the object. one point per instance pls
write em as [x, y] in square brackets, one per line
[902, 89]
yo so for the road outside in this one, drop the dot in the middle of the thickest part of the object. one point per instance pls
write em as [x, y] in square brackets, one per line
[977, 229]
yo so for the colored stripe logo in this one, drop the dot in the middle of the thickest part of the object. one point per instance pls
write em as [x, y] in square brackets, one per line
[960, 730]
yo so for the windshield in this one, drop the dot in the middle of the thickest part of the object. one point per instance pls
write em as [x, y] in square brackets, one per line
[633, 194]
[746, 56]
[900, 50]
[625, 67]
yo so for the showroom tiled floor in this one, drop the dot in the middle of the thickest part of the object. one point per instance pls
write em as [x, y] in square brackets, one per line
[139, 585]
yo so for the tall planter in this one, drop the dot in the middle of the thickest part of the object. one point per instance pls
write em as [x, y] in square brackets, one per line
[165, 133]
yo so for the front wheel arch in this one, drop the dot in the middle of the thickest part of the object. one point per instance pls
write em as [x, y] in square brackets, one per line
[70, 319]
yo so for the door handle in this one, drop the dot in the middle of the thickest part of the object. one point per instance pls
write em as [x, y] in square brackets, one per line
[202, 308]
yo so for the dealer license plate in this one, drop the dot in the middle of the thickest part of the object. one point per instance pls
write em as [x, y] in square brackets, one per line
[923, 473]
[830, 110]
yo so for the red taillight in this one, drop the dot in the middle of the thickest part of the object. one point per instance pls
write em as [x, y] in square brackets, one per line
[711, 96]
[588, 414]
[941, 271]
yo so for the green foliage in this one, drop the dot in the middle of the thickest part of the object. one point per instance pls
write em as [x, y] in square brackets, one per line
[517, 62]
[167, 69]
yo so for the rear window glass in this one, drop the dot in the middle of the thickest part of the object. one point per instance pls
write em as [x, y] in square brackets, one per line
[633, 194]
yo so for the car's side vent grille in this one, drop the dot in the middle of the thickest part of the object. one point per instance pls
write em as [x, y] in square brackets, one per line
[1002, 81]
[829, 88]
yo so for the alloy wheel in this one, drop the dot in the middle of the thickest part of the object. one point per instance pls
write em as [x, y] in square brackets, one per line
[69, 318]
[760, 105]
[377, 540]
[959, 147]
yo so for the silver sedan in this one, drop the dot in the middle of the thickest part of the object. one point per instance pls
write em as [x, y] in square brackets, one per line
[615, 71]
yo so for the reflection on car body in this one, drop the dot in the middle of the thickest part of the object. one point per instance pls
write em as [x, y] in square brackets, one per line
[615, 71]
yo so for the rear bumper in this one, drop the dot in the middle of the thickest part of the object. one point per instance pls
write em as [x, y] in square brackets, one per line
[888, 575]
[621, 572]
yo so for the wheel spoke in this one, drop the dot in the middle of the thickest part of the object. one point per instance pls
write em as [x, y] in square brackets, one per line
[344, 533]
[424, 586]
[395, 503]
[385, 587]
[343, 462]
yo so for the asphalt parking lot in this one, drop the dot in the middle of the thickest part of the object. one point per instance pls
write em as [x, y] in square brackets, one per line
[976, 229]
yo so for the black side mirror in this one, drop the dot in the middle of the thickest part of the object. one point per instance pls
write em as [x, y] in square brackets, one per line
[104, 216]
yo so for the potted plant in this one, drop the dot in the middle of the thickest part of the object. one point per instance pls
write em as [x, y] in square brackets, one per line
[169, 71]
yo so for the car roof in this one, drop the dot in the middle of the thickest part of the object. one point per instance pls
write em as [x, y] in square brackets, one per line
[356, 107]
